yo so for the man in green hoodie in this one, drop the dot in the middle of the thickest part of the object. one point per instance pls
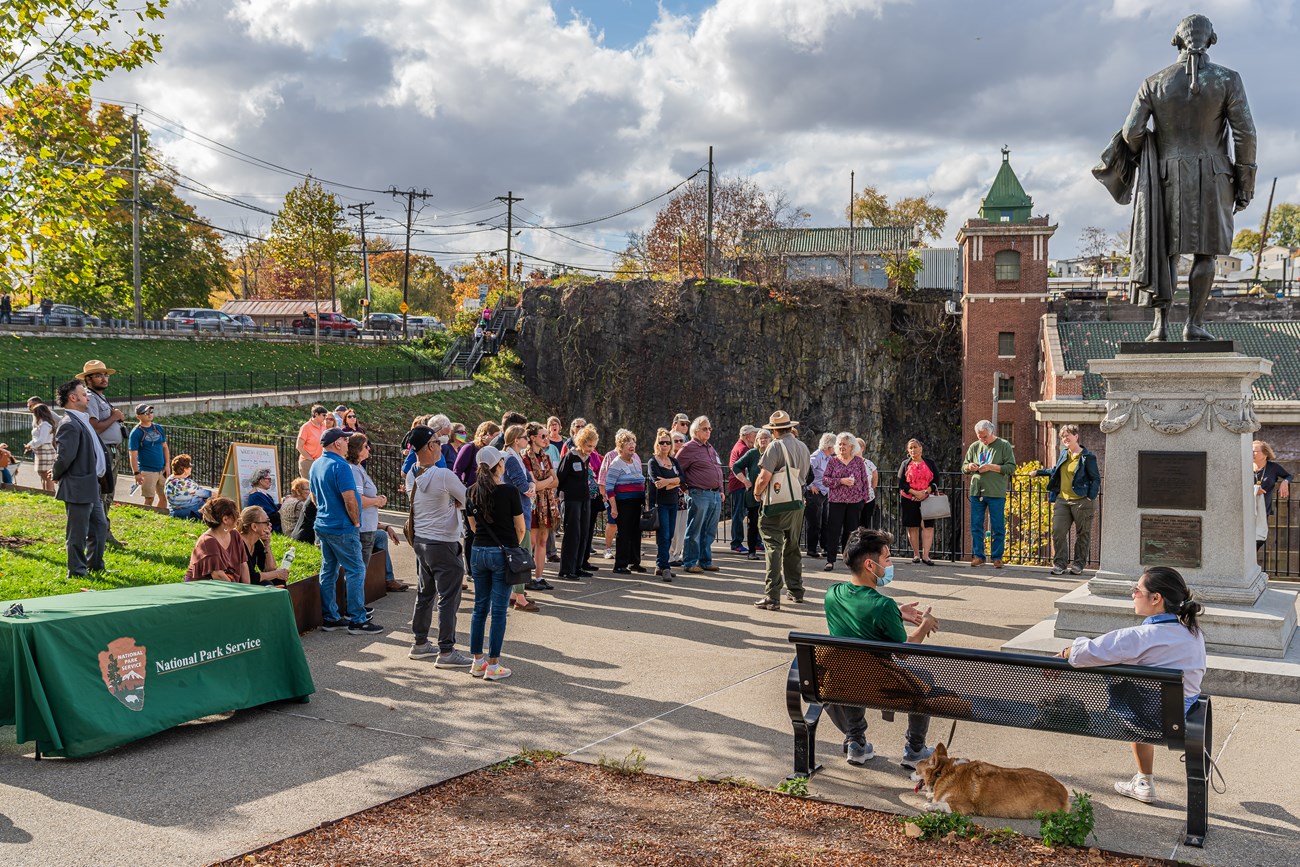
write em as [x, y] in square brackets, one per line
[989, 462]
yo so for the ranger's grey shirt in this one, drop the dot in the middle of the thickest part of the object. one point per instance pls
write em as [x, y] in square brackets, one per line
[100, 409]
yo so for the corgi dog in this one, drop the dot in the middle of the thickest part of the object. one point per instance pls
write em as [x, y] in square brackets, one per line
[981, 789]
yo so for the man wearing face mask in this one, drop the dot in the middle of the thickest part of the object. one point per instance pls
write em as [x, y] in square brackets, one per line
[857, 609]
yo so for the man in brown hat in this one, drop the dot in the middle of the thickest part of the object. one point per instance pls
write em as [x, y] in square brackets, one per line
[784, 469]
[107, 423]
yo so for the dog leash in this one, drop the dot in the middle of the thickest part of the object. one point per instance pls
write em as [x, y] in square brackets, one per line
[953, 731]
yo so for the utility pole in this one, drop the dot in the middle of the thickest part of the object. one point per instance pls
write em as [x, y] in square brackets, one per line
[708, 230]
[852, 192]
[135, 220]
[411, 196]
[365, 253]
[509, 198]
[1263, 234]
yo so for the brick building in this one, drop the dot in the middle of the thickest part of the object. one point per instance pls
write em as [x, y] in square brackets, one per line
[1004, 299]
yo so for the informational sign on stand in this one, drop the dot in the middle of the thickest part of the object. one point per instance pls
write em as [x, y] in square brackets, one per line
[242, 463]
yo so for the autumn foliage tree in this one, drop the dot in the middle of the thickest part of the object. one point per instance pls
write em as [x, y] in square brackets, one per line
[674, 246]
[54, 168]
[872, 208]
[307, 241]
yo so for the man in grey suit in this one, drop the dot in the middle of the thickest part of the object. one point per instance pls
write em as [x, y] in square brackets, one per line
[81, 460]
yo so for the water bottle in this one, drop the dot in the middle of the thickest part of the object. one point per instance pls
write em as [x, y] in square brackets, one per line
[288, 557]
[988, 542]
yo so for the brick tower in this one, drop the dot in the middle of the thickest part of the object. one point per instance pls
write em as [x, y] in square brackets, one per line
[1004, 260]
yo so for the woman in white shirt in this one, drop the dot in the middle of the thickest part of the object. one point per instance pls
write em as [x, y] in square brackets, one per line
[1168, 637]
[41, 444]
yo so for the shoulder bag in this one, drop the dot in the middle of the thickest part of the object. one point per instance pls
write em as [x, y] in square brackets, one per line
[935, 506]
[519, 560]
[408, 529]
[784, 493]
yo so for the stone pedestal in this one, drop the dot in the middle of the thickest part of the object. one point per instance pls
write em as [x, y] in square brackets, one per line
[1177, 491]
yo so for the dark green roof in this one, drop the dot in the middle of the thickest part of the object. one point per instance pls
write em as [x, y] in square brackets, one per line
[1279, 342]
[1006, 194]
[867, 239]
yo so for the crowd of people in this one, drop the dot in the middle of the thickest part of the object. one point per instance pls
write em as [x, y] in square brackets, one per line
[520, 495]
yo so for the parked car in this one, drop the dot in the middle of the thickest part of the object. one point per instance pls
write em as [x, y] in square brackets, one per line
[61, 314]
[390, 322]
[335, 323]
[202, 319]
[245, 320]
[421, 324]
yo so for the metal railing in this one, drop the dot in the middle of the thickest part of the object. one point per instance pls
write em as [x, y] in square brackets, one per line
[1028, 513]
[130, 388]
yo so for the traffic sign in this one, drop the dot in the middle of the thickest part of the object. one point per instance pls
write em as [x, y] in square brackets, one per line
[403, 307]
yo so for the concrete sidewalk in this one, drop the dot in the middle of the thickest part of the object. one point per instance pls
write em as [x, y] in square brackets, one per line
[689, 672]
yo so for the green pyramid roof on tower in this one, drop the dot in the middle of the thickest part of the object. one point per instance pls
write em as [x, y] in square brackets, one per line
[1007, 201]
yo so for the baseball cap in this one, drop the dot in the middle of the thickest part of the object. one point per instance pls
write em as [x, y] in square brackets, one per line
[143, 408]
[681, 416]
[418, 437]
[747, 429]
[489, 457]
[333, 435]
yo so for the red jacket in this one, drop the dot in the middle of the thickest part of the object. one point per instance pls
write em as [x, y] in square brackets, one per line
[737, 452]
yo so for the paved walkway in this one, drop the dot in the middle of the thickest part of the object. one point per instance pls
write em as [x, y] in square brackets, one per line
[689, 672]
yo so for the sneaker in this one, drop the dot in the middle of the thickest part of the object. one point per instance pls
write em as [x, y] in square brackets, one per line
[587, 567]
[622, 570]
[538, 584]
[910, 758]
[997, 564]
[759, 548]
[797, 599]
[423, 651]
[582, 573]
[496, 672]
[675, 563]
[609, 554]
[753, 555]
[455, 659]
[695, 570]
[768, 604]
[569, 577]
[976, 562]
[1057, 570]
[666, 575]
[739, 549]
[333, 625]
[478, 666]
[859, 753]
[636, 567]
[829, 567]
[552, 558]
[368, 628]
[1140, 788]
[712, 568]
[1076, 570]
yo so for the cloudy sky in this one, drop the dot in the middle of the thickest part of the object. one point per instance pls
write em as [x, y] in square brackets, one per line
[586, 108]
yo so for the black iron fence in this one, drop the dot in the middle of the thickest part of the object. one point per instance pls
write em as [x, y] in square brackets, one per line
[130, 388]
[1028, 513]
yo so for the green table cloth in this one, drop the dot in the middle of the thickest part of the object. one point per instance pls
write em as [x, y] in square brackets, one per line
[86, 672]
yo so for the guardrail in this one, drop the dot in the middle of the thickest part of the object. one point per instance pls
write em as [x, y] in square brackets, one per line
[130, 388]
[62, 324]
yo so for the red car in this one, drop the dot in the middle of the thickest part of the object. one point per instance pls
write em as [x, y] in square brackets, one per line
[333, 322]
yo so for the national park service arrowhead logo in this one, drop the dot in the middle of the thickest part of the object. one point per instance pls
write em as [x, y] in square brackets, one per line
[122, 666]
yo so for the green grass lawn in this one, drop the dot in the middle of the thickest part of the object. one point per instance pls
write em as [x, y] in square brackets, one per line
[34, 561]
[40, 358]
[386, 421]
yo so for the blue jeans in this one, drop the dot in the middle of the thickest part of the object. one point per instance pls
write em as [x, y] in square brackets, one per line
[7, 476]
[664, 535]
[738, 512]
[342, 550]
[701, 527]
[381, 544]
[995, 508]
[491, 590]
[188, 513]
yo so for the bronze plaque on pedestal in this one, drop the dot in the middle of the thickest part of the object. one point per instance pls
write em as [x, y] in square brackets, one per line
[1170, 540]
[1171, 480]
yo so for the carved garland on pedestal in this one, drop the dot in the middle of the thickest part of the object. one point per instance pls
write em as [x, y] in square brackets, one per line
[1175, 415]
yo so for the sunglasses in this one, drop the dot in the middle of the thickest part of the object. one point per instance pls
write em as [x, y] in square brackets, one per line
[665, 442]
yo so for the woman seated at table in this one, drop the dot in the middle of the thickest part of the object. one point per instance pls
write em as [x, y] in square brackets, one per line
[255, 532]
[262, 495]
[219, 554]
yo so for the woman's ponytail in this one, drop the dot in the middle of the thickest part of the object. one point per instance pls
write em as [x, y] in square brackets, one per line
[1177, 596]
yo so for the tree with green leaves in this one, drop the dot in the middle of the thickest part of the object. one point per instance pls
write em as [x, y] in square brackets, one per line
[872, 208]
[307, 241]
[54, 170]
[1283, 230]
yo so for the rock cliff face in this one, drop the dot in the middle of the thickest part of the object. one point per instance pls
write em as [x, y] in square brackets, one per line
[634, 354]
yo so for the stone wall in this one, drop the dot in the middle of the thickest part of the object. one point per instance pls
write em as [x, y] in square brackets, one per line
[634, 354]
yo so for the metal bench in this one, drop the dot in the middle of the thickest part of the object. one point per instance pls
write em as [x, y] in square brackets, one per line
[1131, 703]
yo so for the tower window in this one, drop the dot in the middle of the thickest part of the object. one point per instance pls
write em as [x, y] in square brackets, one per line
[1007, 431]
[1006, 389]
[1007, 344]
[1006, 265]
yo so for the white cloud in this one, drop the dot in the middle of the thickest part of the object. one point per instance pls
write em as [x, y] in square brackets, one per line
[469, 99]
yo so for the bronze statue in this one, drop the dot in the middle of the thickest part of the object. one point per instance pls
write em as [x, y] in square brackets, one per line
[1179, 174]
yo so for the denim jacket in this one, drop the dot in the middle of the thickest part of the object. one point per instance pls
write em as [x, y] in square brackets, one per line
[1087, 478]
